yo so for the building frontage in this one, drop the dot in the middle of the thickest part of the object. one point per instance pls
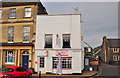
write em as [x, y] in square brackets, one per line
[17, 32]
[88, 56]
[59, 34]
[110, 50]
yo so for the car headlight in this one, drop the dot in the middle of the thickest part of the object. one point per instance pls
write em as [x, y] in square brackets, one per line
[7, 75]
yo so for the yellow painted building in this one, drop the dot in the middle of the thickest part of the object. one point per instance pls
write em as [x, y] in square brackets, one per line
[17, 32]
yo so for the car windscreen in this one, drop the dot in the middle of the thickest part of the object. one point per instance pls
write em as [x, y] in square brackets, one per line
[3, 70]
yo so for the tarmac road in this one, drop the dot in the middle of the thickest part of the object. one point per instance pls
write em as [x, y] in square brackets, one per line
[108, 71]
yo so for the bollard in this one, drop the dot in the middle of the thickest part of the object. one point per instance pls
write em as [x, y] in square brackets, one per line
[39, 74]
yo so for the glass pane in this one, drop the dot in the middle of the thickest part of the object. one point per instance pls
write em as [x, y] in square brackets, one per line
[10, 34]
[26, 34]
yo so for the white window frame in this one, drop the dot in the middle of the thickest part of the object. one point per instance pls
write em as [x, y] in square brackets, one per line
[68, 38]
[66, 62]
[26, 33]
[13, 13]
[27, 12]
[0, 13]
[48, 37]
[11, 34]
[116, 57]
[42, 62]
[6, 57]
[115, 50]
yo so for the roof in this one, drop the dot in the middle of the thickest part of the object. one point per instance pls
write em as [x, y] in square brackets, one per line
[114, 43]
[20, 0]
[9, 3]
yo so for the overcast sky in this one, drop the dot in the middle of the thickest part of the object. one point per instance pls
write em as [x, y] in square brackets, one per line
[99, 18]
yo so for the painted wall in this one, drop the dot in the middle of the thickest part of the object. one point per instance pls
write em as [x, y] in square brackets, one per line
[58, 24]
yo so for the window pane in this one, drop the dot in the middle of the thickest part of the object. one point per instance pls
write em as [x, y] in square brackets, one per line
[66, 40]
[66, 62]
[12, 13]
[42, 60]
[26, 34]
[9, 57]
[27, 12]
[10, 34]
[48, 41]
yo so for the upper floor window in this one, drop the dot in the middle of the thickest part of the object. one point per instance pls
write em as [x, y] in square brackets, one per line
[10, 34]
[0, 13]
[13, 13]
[115, 50]
[66, 40]
[116, 58]
[26, 34]
[48, 40]
[27, 12]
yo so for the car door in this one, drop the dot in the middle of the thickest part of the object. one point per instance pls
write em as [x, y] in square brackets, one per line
[21, 72]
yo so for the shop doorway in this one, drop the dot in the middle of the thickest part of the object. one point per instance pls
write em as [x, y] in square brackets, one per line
[25, 59]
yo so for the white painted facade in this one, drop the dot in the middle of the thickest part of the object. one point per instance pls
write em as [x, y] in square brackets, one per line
[59, 25]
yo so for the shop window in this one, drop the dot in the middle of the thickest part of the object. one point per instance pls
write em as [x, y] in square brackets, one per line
[66, 40]
[66, 62]
[0, 13]
[27, 12]
[26, 34]
[9, 57]
[48, 40]
[42, 61]
[115, 50]
[10, 34]
[13, 13]
[116, 58]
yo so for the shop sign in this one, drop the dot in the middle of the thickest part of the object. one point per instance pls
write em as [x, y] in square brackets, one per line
[62, 52]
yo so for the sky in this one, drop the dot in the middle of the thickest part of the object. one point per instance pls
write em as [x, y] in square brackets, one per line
[99, 18]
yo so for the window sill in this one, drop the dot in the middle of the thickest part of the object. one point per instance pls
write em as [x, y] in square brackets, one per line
[9, 63]
[26, 17]
[12, 17]
[10, 42]
[26, 42]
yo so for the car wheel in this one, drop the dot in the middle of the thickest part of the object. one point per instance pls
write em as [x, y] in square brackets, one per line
[30, 76]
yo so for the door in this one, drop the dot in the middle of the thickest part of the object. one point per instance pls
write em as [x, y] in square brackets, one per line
[25, 58]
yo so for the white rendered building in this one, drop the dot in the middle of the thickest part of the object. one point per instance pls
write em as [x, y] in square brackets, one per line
[59, 34]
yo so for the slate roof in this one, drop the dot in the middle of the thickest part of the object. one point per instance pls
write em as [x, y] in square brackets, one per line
[114, 43]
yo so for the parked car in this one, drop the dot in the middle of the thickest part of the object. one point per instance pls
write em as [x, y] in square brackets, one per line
[15, 72]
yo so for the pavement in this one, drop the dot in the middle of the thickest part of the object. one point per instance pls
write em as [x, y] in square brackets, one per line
[86, 74]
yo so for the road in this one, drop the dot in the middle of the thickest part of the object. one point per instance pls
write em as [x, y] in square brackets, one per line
[109, 71]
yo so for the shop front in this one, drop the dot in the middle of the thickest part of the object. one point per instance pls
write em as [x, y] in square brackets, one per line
[16, 55]
[47, 61]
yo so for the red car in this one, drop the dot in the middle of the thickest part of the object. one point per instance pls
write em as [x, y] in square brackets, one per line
[15, 72]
